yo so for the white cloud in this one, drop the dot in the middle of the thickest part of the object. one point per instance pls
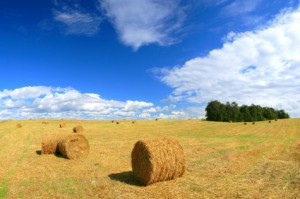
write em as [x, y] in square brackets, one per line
[142, 22]
[260, 67]
[150, 110]
[41, 101]
[77, 22]
[25, 92]
[145, 115]
[174, 115]
[136, 105]
[239, 7]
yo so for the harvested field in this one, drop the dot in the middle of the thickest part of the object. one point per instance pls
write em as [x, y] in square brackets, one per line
[223, 160]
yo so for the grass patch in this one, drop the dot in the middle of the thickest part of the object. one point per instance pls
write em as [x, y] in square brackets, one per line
[4, 188]
[242, 147]
[219, 136]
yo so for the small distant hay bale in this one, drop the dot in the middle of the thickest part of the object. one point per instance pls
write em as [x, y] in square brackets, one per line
[112, 121]
[78, 129]
[270, 121]
[245, 123]
[50, 143]
[133, 122]
[157, 160]
[253, 122]
[19, 125]
[156, 119]
[44, 122]
[117, 122]
[62, 125]
[74, 146]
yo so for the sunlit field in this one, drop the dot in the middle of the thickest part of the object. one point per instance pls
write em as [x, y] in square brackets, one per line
[224, 160]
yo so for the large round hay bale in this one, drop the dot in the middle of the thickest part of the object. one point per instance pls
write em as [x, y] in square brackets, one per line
[157, 160]
[19, 125]
[78, 129]
[50, 143]
[74, 146]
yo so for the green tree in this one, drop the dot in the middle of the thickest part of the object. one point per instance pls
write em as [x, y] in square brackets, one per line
[245, 114]
[215, 111]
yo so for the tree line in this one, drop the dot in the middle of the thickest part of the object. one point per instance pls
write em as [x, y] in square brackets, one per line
[232, 112]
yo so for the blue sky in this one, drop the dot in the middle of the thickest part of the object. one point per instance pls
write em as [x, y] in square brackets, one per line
[113, 59]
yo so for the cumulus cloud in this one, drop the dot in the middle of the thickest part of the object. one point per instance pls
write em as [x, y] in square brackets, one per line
[77, 22]
[25, 92]
[260, 67]
[174, 115]
[41, 101]
[142, 22]
[136, 105]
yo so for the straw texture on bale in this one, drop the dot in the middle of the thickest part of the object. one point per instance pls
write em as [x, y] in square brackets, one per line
[74, 146]
[63, 125]
[78, 129]
[19, 125]
[50, 143]
[157, 160]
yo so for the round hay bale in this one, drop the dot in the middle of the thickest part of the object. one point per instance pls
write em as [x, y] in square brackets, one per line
[63, 125]
[253, 122]
[78, 129]
[19, 125]
[157, 160]
[112, 121]
[270, 121]
[74, 146]
[245, 123]
[133, 122]
[50, 143]
[156, 119]
[117, 122]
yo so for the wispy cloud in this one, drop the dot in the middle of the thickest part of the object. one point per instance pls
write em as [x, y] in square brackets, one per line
[260, 67]
[76, 22]
[49, 102]
[143, 22]
[241, 7]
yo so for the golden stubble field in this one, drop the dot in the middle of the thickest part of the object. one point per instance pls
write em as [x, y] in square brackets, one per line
[224, 160]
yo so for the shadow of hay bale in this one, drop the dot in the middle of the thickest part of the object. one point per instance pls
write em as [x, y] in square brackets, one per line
[39, 152]
[125, 177]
